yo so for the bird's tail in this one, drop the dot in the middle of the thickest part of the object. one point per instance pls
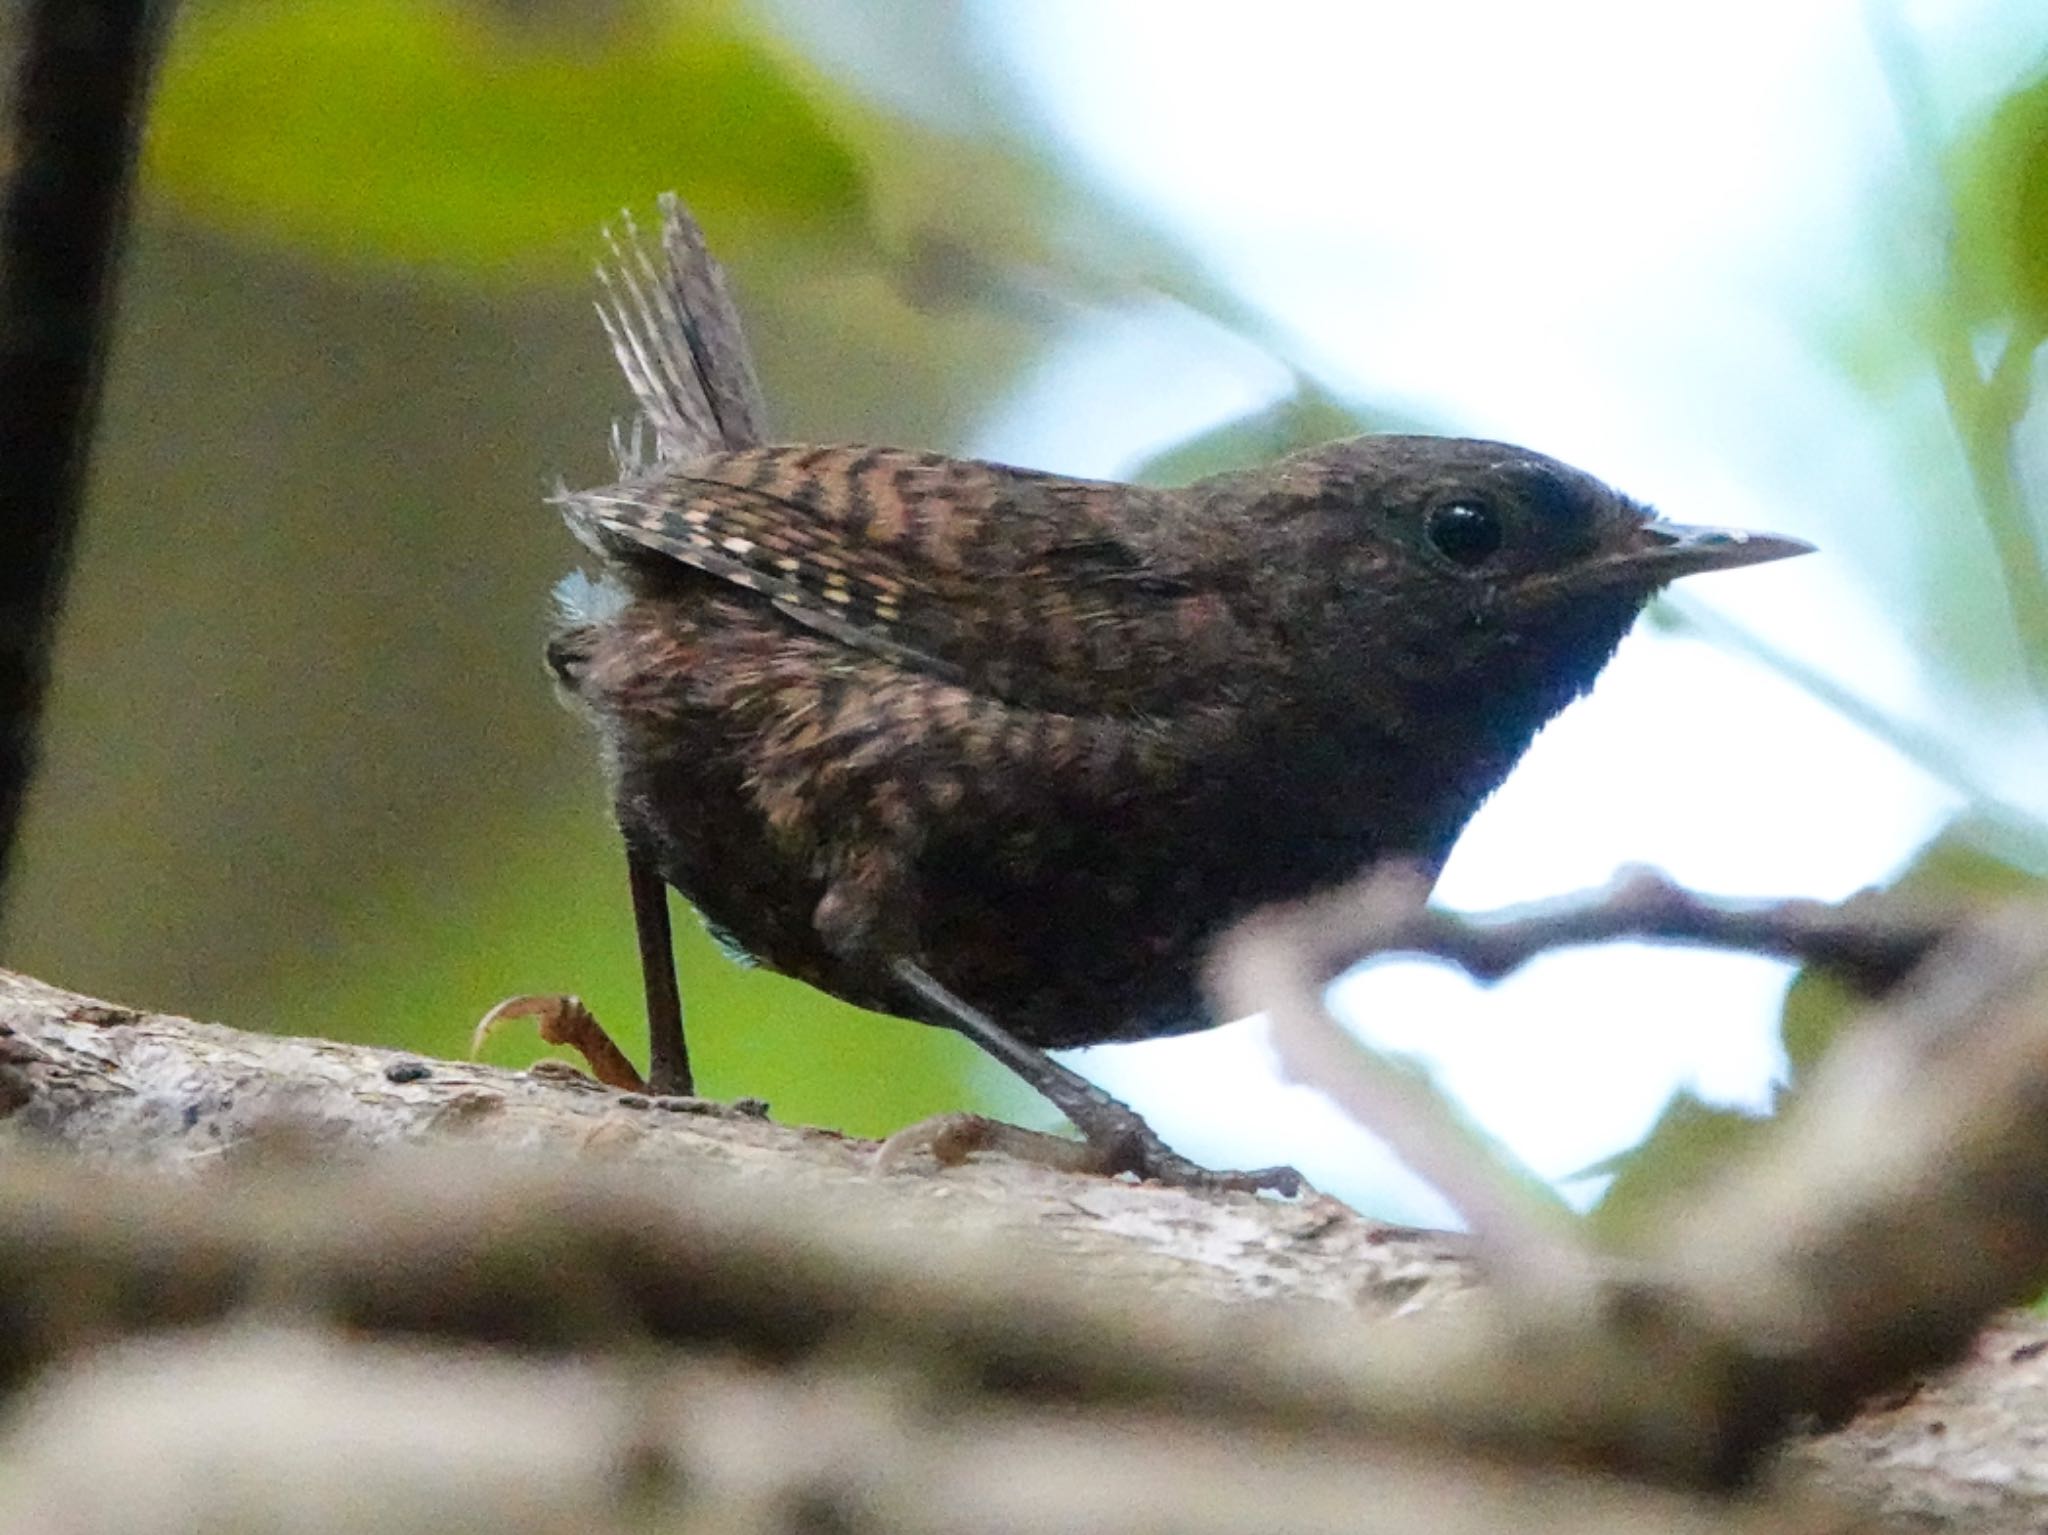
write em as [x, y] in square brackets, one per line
[677, 335]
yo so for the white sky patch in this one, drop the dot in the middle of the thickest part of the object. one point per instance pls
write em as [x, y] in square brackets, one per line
[1127, 385]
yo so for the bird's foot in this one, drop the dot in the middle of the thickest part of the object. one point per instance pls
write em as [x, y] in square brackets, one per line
[565, 1021]
[1129, 1146]
[1114, 1136]
[1122, 1142]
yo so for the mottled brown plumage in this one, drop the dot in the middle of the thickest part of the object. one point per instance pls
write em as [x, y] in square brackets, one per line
[1044, 737]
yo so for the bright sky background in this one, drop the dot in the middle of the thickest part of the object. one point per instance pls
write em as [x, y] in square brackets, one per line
[1603, 229]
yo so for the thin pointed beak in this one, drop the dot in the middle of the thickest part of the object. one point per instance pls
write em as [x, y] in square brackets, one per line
[1664, 551]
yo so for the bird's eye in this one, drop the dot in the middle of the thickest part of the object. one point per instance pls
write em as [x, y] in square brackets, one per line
[1464, 532]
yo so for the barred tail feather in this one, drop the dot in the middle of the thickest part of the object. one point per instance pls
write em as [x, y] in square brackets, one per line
[676, 334]
[718, 342]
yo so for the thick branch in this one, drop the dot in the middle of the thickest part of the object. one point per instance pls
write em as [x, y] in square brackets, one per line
[1903, 1199]
[419, 1440]
[130, 1088]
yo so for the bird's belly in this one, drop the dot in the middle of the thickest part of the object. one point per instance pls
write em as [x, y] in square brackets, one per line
[1093, 928]
[1070, 922]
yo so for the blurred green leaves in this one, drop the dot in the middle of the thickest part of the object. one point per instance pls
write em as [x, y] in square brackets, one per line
[1999, 176]
[1990, 318]
[1959, 870]
[436, 133]
[1691, 1140]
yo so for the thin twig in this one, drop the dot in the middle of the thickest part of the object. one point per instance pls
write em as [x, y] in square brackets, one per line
[1281, 961]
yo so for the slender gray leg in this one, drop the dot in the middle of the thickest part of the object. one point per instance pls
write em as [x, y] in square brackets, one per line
[668, 1057]
[1117, 1132]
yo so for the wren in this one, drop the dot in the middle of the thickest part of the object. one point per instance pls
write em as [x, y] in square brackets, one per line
[1009, 749]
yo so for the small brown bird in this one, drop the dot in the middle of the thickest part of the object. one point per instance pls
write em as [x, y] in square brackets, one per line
[1010, 748]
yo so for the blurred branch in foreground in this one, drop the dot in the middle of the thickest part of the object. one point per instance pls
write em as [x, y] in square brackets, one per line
[740, 1277]
[1282, 960]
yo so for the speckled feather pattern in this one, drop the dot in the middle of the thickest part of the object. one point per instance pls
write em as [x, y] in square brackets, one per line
[1036, 588]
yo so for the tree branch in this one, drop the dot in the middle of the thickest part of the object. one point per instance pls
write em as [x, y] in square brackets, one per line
[1904, 1198]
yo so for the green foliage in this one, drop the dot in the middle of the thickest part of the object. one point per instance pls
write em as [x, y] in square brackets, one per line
[1960, 867]
[1993, 318]
[1690, 1140]
[2000, 177]
[1817, 1005]
[433, 133]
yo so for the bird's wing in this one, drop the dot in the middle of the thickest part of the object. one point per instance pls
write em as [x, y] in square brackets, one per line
[1043, 590]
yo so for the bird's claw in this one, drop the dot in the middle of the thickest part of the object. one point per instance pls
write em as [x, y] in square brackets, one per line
[564, 1021]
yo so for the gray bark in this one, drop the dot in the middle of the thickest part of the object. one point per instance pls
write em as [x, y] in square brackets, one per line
[299, 1284]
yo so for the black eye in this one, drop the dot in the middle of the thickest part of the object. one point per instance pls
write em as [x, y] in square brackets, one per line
[1464, 532]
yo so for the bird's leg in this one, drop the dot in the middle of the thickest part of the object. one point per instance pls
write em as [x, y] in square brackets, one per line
[566, 1021]
[869, 912]
[668, 1056]
[1117, 1135]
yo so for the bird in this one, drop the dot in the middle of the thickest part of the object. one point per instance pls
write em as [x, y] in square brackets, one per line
[1008, 749]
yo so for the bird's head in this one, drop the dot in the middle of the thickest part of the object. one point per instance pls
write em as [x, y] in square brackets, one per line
[1467, 574]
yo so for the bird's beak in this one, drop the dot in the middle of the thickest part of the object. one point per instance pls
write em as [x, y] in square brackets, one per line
[1655, 552]
[1665, 551]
